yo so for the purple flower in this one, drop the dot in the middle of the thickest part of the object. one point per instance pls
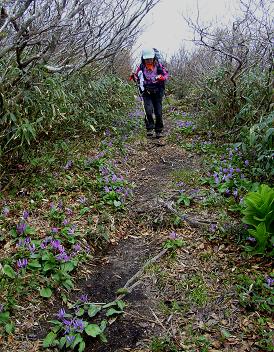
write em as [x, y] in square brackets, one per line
[69, 211]
[21, 228]
[238, 170]
[104, 171]
[43, 245]
[106, 189]
[54, 230]
[246, 162]
[21, 243]
[72, 230]
[83, 298]
[269, 281]
[65, 222]
[68, 165]
[5, 211]
[61, 313]
[1, 308]
[78, 325]
[27, 240]
[173, 235]
[82, 200]
[31, 247]
[212, 227]
[251, 239]
[235, 193]
[60, 205]
[22, 263]
[25, 214]
[63, 257]
[77, 247]
[67, 322]
[107, 132]
[55, 244]
[114, 178]
[70, 338]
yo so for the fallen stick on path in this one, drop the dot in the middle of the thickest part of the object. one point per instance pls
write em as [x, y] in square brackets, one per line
[127, 288]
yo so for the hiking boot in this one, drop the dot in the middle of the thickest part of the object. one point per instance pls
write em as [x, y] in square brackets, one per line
[149, 133]
[159, 134]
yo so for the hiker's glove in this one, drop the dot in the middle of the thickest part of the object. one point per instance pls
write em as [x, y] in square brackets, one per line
[160, 78]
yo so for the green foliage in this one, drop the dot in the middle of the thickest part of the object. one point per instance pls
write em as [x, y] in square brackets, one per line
[71, 328]
[255, 293]
[173, 244]
[259, 214]
[5, 321]
[163, 344]
[258, 144]
[44, 103]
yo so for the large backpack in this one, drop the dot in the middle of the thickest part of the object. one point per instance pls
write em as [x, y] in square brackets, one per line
[158, 56]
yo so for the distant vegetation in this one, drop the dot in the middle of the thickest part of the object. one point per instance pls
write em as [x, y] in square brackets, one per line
[227, 80]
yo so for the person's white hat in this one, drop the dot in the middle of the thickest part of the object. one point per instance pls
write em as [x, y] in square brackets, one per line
[148, 54]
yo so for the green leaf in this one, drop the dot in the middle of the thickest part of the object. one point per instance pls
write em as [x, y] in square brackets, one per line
[34, 264]
[62, 342]
[113, 311]
[121, 304]
[103, 338]
[80, 312]
[122, 291]
[93, 330]
[68, 284]
[84, 211]
[4, 317]
[9, 328]
[226, 334]
[68, 266]
[117, 203]
[103, 325]
[78, 339]
[93, 310]
[82, 346]
[110, 304]
[45, 292]
[49, 339]
[7, 269]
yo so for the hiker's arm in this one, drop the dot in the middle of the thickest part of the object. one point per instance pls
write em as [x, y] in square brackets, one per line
[134, 75]
[164, 76]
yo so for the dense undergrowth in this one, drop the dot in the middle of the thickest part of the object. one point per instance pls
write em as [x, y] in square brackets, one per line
[60, 196]
[46, 106]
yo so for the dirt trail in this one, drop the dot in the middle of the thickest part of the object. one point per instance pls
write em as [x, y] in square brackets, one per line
[188, 301]
[152, 162]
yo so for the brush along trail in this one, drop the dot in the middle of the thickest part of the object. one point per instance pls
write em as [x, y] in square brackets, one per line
[177, 277]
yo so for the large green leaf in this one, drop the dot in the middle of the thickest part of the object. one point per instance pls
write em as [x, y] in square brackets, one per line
[93, 330]
[46, 292]
[49, 339]
[7, 269]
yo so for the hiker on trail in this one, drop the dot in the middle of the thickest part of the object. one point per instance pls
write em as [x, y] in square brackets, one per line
[151, 76]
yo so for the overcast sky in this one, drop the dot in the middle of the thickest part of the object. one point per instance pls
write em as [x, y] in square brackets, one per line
[166, 29]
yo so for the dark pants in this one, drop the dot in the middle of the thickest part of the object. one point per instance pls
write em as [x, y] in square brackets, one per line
[153, 103]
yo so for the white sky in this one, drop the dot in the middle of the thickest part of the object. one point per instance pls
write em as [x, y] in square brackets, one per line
[165, 27]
